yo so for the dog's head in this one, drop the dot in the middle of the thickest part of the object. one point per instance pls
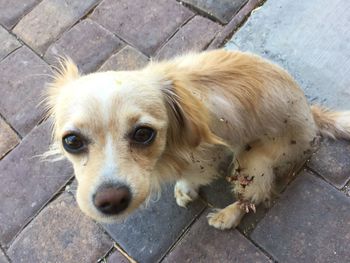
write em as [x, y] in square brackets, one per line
[124, 132]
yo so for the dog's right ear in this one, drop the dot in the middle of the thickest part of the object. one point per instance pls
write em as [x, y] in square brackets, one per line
[66, 72]
[188, 117]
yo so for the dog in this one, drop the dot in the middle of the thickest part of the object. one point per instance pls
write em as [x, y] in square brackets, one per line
[128, 132]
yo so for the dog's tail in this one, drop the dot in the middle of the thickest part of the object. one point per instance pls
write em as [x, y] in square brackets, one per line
[331, 123]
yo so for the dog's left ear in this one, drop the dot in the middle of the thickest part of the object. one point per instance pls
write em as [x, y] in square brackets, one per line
[188, 118]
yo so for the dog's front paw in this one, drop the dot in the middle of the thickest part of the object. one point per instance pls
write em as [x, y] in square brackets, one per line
[184, 193]
[224, 218]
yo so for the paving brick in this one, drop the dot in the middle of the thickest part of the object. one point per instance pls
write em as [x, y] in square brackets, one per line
[310, 223]
[128, 58]
[87, 43]
[148, 234]
[8, 138]
[12, 11]
[8, 42]
[39, 33]
[29, 182]
[346, 190]
[146, 24]
[222, 10]
[318, 57]
[203, 243]
[194, 36]
[3, 258]
[60, 233]
[332, 162]
[117, 257]
[218, 193]
[22, 79]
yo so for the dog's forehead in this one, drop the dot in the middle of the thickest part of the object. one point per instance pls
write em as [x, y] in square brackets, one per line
[111, 95]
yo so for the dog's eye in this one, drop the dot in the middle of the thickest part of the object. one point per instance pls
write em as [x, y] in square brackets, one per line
[143, 135]
[73, 143]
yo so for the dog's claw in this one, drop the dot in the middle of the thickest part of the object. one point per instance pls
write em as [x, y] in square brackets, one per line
[184, 198]
[246, 206]
[184, 194]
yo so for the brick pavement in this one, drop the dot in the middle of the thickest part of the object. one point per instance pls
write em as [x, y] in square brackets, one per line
[39, 219]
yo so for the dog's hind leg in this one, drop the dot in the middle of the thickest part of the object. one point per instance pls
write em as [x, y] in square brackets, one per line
[253, 176]
[252, 185]
[252, 180]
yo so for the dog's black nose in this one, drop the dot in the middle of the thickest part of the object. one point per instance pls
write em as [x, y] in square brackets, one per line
[112, 199]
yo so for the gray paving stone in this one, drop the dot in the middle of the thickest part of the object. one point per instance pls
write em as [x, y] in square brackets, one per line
[23, 76]
[8, 138]
[235, 23]
[346, 189]
[87, 43]
[332, 162]
[218, 194]
[145, 24]
[3, 258]
[60, 233]
[8, 42]
[117, 257]
[194, 36]
[203, 243]
[29, 182]
[310, 39]
[12, 10]
[310, 223]
[149, 233]
[222, 10]
[39, 33]
[128, 58]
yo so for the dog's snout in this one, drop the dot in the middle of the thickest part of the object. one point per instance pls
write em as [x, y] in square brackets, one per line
[112, 199]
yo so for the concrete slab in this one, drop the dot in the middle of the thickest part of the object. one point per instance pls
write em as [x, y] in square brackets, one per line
[311, 39]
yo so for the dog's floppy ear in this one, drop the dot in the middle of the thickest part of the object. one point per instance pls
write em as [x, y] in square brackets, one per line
[188, 118]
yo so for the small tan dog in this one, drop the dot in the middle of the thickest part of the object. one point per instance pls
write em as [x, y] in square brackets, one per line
[127, 132]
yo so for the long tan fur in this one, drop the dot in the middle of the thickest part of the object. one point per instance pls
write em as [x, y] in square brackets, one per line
[331, 123]
[205, 109]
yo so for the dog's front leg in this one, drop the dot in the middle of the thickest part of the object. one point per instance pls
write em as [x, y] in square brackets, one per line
[206, 165]
[196, 175]
[185, 192]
